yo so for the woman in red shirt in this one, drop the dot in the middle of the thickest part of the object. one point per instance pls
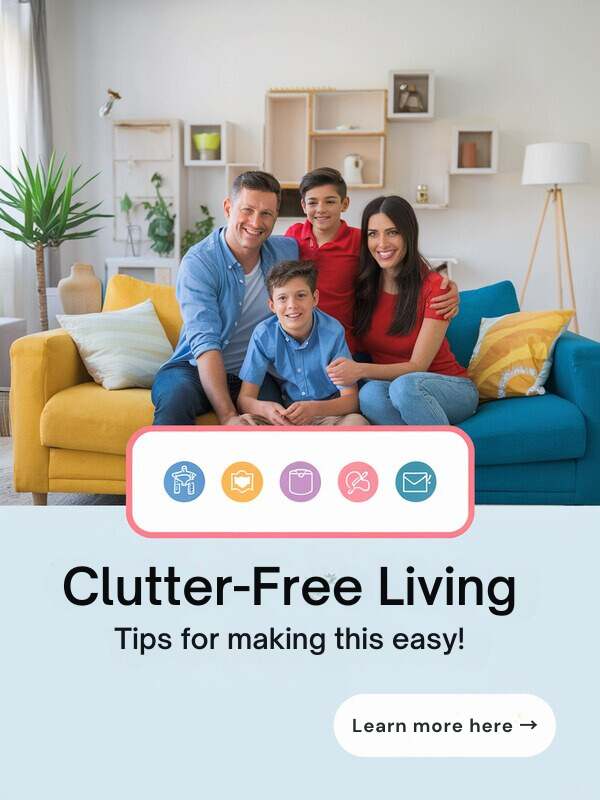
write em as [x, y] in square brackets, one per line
[414, 378]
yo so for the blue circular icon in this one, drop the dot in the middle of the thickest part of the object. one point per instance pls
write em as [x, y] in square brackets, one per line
[415, 481]
[184, 481]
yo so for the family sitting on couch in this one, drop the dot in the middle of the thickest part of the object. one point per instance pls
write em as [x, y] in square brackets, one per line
[289, 327]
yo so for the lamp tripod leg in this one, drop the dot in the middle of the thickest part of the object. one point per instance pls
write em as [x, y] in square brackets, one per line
[565, 241]
[536, 242]
[557, 237]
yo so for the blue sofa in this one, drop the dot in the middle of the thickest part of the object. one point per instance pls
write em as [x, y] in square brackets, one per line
[534, 450]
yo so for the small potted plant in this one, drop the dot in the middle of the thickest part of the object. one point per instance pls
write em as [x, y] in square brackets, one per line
[201, 229]
[161, 230]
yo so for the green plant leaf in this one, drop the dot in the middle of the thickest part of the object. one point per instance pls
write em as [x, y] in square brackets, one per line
[11, 220]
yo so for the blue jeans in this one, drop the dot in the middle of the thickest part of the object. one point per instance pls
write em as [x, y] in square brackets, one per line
[419, 398]
[179, 397]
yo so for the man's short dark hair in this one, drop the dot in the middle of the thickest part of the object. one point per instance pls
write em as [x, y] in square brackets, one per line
[324, 176]
[258, 181]
[285, 271]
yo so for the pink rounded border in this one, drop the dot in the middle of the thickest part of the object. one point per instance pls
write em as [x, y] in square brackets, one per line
[246, 430]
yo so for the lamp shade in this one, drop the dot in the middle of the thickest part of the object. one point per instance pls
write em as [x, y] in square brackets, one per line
[556, 162]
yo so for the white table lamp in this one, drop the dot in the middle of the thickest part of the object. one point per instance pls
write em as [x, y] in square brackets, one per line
[553, 164]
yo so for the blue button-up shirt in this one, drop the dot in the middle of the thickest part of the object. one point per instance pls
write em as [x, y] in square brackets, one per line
[300, 366]
[210, 291]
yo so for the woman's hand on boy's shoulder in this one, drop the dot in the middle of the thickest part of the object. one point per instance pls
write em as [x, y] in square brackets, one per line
[446, 305]
[345, 371]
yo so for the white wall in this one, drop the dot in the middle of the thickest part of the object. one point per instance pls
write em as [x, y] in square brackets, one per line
[532, 67]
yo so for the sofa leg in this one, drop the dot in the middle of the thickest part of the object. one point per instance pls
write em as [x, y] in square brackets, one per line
[39, 498]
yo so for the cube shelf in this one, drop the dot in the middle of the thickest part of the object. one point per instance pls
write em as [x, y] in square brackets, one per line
[474, 150]
[331, 151]
[423, 82]
[193, 156]
[286, 146]
[351, 112]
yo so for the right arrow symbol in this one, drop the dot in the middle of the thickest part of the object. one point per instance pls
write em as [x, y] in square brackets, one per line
[531, 724]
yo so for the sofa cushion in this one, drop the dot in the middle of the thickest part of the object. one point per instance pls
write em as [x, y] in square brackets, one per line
[123, 291]
[489, 301]
[526, 429]
[88, 417]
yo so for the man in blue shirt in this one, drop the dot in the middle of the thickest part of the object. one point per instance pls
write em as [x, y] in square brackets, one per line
[222, 295]
[296, 346]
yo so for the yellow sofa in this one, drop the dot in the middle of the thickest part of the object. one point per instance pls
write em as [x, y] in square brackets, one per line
[70, 434]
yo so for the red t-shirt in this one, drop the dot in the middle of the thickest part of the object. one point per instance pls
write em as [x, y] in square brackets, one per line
[395, 349]
[337, 264]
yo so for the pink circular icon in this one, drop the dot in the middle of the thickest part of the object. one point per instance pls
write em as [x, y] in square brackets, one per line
[358, 481]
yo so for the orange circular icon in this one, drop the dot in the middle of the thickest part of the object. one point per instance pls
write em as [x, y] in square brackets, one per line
[242, 481]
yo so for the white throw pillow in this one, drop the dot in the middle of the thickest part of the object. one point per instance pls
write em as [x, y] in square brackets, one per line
[120, 349]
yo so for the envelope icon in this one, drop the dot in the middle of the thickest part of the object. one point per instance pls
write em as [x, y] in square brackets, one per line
[416, 482]
[242, 481]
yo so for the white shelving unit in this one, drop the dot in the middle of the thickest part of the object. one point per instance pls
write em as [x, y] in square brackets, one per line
[312, 128]
[424, 83]
[485, 140]
[142, 147]
[225, 152]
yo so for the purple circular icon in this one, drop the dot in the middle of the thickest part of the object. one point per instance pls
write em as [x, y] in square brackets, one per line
[300, 481]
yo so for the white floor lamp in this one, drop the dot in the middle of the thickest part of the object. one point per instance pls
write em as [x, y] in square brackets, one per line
[556, 163]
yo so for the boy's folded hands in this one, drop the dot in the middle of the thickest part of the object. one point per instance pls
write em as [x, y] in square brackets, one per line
[300, 413]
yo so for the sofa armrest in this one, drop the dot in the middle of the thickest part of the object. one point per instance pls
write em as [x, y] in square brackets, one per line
[576, 377]
[41, 365]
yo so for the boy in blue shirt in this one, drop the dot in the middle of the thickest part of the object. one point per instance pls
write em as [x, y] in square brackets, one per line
[296, 346]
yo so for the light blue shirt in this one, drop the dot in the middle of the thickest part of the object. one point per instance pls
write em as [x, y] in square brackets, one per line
[299, 366]
[210, 291]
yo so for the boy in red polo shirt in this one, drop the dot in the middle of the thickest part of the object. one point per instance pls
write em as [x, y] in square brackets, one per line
[334, 247]
[327, 241]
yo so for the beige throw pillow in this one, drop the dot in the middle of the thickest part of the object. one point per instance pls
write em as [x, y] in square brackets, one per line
[120, 349]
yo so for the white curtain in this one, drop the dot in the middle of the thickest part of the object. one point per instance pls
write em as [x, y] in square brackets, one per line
[21, 126]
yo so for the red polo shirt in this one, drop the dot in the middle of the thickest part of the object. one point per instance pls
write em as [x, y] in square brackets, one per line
[385, 348]
[337, 264]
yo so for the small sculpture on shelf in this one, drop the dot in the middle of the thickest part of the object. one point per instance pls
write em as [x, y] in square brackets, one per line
[422, 194]
[414, 102]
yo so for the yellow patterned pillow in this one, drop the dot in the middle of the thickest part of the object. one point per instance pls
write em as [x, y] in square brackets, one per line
[513, 354]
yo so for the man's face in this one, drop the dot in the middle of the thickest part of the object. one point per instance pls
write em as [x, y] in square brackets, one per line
[250, 220]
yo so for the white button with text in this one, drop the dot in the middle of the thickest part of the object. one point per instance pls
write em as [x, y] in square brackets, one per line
[444, 725]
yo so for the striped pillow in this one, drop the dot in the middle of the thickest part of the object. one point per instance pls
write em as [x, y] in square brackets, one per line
[120, 349]
[513, 354]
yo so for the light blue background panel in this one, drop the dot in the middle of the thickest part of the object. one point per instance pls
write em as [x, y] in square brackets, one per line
[82, 719]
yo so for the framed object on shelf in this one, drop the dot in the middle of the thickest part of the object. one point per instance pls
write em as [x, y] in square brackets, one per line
[411, 95]
[474, 150]
[208, 144]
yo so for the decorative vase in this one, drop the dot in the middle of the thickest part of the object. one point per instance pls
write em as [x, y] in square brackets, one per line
[81, 292]
[353, 166]
[468, 155]
[207, 145]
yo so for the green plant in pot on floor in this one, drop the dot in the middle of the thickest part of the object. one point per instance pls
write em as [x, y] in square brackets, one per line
[161, 230]
[43, 199]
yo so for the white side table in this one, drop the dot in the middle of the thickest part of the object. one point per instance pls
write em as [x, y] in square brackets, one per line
[11, 328]
[147, 268]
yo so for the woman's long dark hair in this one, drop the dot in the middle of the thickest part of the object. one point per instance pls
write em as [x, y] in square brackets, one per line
[409, 277]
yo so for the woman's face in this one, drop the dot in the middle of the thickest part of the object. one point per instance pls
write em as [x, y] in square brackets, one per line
[385, 242]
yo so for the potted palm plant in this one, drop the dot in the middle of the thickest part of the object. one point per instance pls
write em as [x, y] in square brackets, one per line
[44, 199]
